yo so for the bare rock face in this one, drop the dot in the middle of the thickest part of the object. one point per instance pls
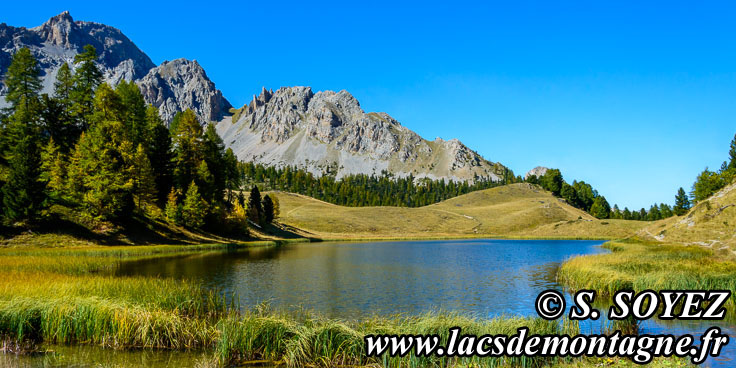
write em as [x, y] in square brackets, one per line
[182, 84]
[329, 132]
[61, 38]
[538, 171]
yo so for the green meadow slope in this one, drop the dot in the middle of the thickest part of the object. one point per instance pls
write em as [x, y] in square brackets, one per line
[516, 210]
[711, 224]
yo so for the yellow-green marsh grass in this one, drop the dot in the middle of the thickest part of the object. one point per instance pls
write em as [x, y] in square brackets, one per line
[636, 265]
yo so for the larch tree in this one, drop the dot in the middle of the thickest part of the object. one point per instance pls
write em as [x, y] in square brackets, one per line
[194, 208]
[23, 80]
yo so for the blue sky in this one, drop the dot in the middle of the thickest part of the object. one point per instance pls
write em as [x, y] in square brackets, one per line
[634, 98]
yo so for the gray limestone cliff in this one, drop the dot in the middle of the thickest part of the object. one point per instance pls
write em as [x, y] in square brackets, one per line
[170, 86]
[329, 132]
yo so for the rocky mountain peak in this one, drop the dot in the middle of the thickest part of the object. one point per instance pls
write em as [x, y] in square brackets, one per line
[329, 131]
[172, 86]
[60, 30]
[183, 84]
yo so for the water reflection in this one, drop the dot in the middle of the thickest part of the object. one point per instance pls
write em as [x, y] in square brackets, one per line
[351, 280]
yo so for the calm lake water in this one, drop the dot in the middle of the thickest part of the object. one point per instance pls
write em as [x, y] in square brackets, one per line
[484, 278]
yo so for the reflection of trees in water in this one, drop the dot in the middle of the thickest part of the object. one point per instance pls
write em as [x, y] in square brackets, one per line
[198, 266]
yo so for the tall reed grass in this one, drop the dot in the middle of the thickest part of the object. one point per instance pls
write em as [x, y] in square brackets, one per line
[635, 265]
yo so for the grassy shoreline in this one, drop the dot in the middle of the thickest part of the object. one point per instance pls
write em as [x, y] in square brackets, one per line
[68, 296]
[639, 265]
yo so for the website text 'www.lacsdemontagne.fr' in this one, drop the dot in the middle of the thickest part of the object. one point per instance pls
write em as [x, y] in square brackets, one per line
[639, 348]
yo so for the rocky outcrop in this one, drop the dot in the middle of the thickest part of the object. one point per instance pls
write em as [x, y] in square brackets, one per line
[182, 84]
[329, 132]
[538, 171]
[61, 38]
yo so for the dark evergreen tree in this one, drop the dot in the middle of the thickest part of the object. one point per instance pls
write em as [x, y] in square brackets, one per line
[568, 194]
[58, 119]
[86, 79]
[682, 203]
[665, 210]
[159, 153]
[23, 80]
[214, 156]
[585, 194]
[24, 196]
[626, 215]
[255, 209]
[600, 208]
[552, 181]
[706, 184]
[732, 154]
[268, 210]
[232, 179]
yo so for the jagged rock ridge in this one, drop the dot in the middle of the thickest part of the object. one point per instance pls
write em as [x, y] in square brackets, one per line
[329, 132]
[172, 86]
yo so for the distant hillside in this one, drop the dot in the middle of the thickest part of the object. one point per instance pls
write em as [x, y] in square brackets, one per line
[513, 210]
[329, 132]
[171, 87]
[711, 223]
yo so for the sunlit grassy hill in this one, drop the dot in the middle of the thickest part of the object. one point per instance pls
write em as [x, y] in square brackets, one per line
[516, 210]
[710, 223]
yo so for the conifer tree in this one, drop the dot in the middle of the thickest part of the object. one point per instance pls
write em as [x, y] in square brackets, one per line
[59, 121]
[654, 214]
[682, 203]
[53, 168]
[600, 208]
[23, 80]
[187, 139]
[74, 186]
[107, 106]
[665, 210]
[732, 154]
[642, 214]
[232, 177]
[86, 79]
[173, 210]
[24, 198]
[133, 112]
[160, 153]
[214, 155]
[255, 209]
[144, 185]
[626, 214]
[205, 181]
[568, 193]
[268, 214]
[106, 185]
[706, 184]
[194, 208]
[276, 206]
